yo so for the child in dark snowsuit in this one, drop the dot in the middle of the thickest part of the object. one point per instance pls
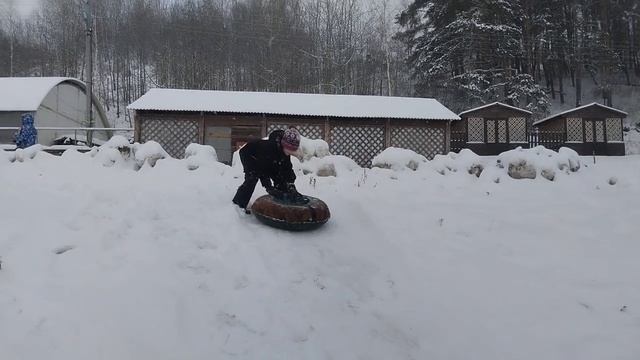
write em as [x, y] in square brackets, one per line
[268, 160]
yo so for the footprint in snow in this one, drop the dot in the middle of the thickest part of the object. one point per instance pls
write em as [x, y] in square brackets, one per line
[63, 249]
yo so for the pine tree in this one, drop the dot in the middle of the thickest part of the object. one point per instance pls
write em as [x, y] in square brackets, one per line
[469, 53]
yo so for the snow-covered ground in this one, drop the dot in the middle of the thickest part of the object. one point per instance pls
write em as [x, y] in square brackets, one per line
[632, 142]
[100, 261]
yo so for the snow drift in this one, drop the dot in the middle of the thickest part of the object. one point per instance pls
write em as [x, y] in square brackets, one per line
[107, 262]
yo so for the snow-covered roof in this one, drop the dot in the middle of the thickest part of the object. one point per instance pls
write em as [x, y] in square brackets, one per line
[577, 109]
[492, 104]
[352, 106]
[27, 93]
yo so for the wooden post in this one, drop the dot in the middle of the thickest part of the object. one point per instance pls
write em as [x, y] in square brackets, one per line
[447, 138]
[264, 126]
[327, 131]
[508, 134]
[202, 129]
[136, 129]
[387, 133]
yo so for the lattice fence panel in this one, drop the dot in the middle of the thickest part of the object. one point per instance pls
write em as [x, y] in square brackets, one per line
[360, 143]
[574, 129]
[173, 135]
[599, 131]
[588, 131]
[306, 130]
[502, 131]
[614, 129]
[491, 131]
[475, 129]
[426, 141]
[273, 127]
[518, 130]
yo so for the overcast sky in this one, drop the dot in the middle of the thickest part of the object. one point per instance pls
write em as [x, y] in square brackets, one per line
[23, 7]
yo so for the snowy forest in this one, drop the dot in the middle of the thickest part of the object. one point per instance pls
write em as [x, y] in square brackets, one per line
[522, 52]
[462, 52]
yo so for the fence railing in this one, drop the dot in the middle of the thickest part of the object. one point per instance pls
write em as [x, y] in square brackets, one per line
[63, 135]
[458, 140]
[553, 140]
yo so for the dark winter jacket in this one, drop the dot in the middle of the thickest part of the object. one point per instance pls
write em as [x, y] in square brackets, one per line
[265, 160]
[28, 135]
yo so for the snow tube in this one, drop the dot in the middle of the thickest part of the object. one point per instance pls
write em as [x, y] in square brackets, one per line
[301, 214]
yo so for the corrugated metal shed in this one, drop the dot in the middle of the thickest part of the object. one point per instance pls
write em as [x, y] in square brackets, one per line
[27, 93]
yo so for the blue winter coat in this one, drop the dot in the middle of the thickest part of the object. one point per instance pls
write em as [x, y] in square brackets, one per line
[28, 135]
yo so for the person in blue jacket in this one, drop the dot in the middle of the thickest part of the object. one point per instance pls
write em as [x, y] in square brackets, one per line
[27, 135]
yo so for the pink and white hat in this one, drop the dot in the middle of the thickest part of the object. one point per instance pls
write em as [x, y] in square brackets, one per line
[291, 140]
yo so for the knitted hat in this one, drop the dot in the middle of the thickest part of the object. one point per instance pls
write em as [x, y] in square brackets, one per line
[291, 140]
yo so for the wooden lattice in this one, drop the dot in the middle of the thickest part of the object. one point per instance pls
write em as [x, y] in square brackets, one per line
[517, 130]
[502, 131]
[360, 143]
[426, 141]
[173, 135]
[475, 129]
[273, 127]
[574, 129]
[614, 129]
[491, 131]
[599, 131]
[588, 131]
[306, 130]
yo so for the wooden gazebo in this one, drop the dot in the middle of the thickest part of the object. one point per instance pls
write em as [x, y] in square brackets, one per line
[592, 129]
[491, 129]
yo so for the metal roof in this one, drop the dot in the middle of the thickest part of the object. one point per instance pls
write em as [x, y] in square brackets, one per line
[349, 106]
[27, 93]
[495, 103]
[577, 109]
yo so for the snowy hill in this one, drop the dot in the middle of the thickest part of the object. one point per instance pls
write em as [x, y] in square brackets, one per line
[100, 261]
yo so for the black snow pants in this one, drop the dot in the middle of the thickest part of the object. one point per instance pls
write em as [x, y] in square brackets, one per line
[243, 195]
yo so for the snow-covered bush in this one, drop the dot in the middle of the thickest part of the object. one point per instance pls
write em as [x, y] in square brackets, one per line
[569, 157]
[117, 151]
[21, 155]
[110, 157]
[149, 152]
[466, 161]
[6, 157]
[119, 143]
[198, 155]
[332, 165]
[310, 148]
[529, 163]
[398, 159]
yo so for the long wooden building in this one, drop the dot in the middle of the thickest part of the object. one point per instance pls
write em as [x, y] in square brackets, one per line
[359, 127]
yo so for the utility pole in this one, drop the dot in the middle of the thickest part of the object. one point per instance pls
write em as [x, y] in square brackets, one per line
[88, 22]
